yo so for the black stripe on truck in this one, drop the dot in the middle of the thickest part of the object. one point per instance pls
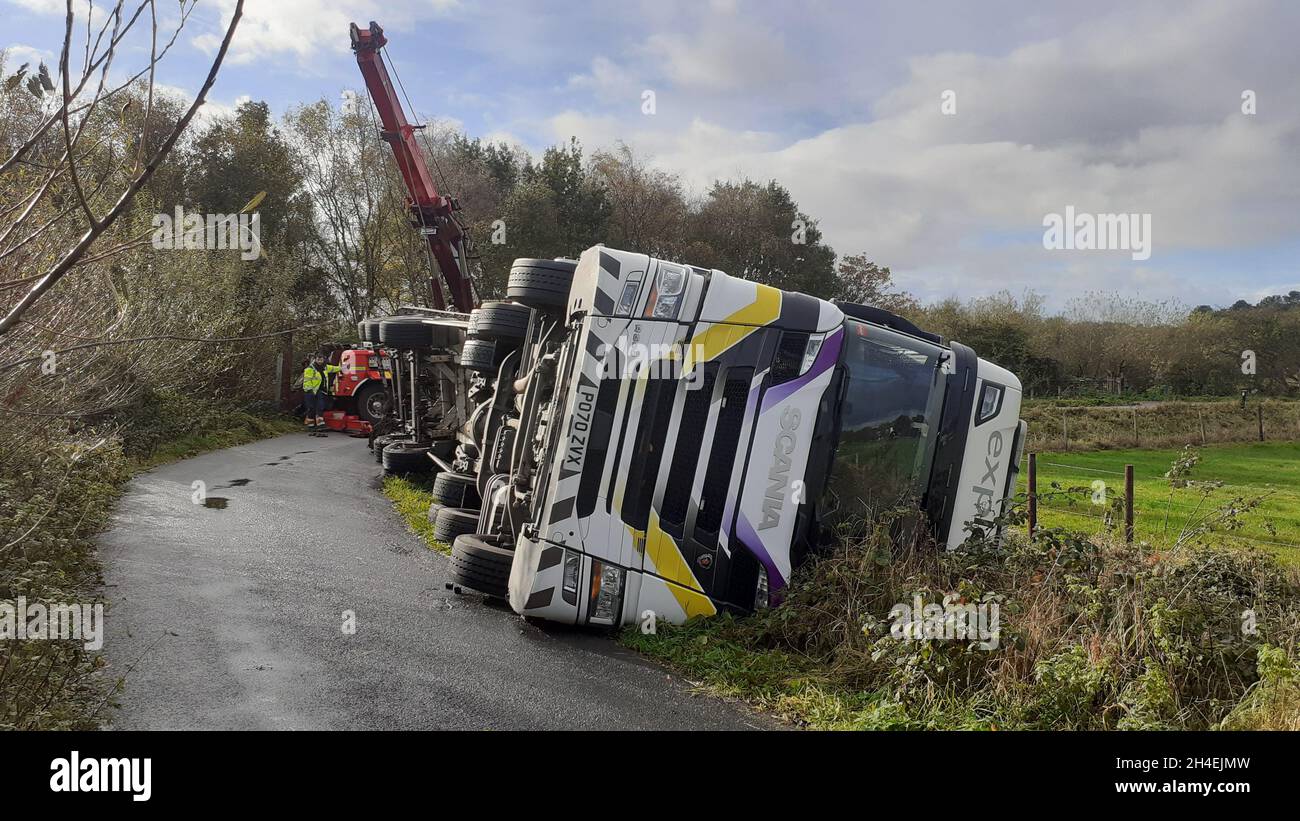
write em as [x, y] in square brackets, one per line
[686, 455]
[593, 466]
[648, 450]
[954, 425]
[722, 455]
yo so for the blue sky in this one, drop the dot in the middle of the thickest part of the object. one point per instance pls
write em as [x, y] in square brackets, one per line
[1112, 107]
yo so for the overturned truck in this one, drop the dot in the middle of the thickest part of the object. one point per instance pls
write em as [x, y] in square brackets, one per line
[641, 435]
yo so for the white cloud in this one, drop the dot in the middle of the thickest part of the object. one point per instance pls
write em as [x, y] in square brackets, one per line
[1136, 112]
[17, 54]
[306, 28]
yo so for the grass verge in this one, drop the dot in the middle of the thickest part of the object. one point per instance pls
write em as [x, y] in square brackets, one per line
[411, 497]
[1091, 635]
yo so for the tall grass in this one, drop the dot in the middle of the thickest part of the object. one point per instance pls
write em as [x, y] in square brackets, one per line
[1095, 634]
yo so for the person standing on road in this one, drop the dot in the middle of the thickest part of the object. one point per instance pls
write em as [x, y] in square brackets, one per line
[316, 379]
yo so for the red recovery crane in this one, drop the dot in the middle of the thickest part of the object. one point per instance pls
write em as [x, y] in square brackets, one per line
[431, 212]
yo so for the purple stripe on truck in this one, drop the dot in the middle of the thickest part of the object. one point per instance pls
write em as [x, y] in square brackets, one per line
[826, 358]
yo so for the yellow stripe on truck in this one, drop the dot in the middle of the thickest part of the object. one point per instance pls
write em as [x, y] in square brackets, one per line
[668, 563]
[764, 310]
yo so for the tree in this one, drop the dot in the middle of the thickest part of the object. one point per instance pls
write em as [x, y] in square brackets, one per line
[757, 232]
[860, 280]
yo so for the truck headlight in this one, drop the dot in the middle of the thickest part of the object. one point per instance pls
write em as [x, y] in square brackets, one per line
[666, 299]
[572, 571]
[990, 402]
[810, 352]
[606, 603]
[761, 598]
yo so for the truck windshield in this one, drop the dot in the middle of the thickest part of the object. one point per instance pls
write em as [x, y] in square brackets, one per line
[892, 400]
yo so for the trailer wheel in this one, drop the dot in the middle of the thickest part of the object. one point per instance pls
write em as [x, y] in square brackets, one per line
[456, 490]
[478, 564]
[407, 332]
[541, 283]
[401, 458]
[372, 402]
[480, 355]
[452, 522]
[505, 321]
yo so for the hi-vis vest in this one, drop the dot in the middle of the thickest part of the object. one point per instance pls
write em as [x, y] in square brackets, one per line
[314, 380]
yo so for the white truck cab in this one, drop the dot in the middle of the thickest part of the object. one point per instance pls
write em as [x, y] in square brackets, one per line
[684, 438]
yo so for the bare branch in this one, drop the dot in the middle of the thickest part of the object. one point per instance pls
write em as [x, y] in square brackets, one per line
[70, 259]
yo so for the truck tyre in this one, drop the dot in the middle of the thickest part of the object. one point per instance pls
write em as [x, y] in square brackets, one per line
[456, 490]
[372, 328]
[406, 332]
[480, 355]
[478, 564]
[451, 522]
[541, 283]
[433, 512]
[372, 402]
[504, 321]
[387, 439]
[401, 458]
[361, 331]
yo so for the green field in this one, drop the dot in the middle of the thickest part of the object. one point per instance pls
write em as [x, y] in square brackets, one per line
[1249, 471]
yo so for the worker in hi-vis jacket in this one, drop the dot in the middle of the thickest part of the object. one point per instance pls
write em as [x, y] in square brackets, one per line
[316, 380]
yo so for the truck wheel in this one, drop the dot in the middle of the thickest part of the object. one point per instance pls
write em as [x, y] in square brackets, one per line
[372, 329]
[480, 355]
[456, 490]
[452, 522]
[541, 283]
[401, 458]
[372, 402]
[406, 332]
[505, 321]
[380, 443]
[481, 565]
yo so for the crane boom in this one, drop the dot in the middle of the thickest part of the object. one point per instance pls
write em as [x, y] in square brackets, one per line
[431, 212]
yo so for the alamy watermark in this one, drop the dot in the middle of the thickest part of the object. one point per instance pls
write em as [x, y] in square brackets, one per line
[1073, 231]
[21, 620]
[192, 231]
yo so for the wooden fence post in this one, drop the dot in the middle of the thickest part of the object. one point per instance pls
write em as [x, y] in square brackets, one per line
[1065, 431]
[1033, 494]
[1136, 442]
[1200, 417]
[1128, 504]
[1259, 414]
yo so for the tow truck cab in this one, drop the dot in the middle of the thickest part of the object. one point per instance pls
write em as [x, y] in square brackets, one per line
[704, 432]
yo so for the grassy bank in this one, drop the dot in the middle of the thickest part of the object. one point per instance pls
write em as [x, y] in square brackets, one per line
[1092, 634]
[1067, 426]
[55, 496]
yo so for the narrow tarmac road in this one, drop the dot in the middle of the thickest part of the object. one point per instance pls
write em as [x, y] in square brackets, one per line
[230, 616]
